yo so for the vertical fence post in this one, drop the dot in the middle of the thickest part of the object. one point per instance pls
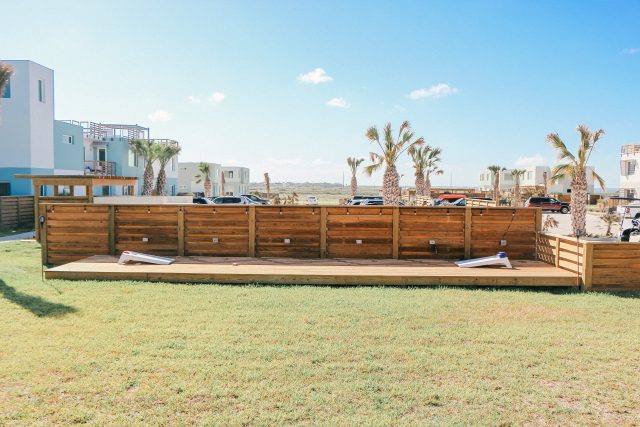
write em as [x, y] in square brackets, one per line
[42, 211]
[323, 232]
[181, 231]
[557, 254]
[467, 232]
[112, 230]
[587, 265]
[396, 231]
[252, 230]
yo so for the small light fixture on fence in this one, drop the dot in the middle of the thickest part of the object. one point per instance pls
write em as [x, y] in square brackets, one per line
[215, 240]
[287, 241]
[145, 239]
[358, 242]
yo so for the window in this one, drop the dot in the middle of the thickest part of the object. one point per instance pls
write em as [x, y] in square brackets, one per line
[529, 175]
[126, 190]
[7, 90]
[41, 90]
[5, 188]
[230, 174]
[173, 189]
[67, 139]
[133, 159]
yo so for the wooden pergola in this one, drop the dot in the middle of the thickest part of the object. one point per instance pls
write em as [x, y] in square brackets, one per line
[72, 181]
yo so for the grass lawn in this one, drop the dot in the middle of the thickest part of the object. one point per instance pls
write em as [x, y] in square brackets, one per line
[124, 353]
[10, 232]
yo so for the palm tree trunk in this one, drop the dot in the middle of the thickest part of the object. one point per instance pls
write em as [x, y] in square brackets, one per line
[427, 186]
[420, 187]
[161, 182]
[207, 186]
[391, 187]
[517, 199]
[147, 186]
[496, 188]
[354, 185]
[579, 204]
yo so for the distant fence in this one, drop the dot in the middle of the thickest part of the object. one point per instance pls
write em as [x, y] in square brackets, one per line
[599, 265]
[480, 202]
[75, 231]
[16, 211]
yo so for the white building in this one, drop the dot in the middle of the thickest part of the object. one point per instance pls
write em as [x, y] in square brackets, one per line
[533, 176]
[236, 180]
[31, 140]
[629, 171]
[187, 172]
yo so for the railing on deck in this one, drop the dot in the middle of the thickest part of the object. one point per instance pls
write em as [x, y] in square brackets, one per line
[99, 167]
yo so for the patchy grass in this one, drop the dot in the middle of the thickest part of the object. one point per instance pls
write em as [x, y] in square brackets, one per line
[4, 232]
[124, 353]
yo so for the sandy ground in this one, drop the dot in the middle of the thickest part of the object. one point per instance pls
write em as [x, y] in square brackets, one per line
[594, 224]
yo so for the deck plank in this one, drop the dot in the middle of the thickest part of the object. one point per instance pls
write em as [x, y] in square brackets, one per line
[345, 271]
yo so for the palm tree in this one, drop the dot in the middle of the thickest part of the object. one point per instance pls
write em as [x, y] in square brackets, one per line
[419, 156]
[148, 151]
[353, 164]
[517, 197]
[165, 153]
[609, 218]
[390, 151]
[267, 184]
[544, 183]
[431, 168]
[575, 167]
[223, 181]
[6, 71]
[495, 169]
[204, 174]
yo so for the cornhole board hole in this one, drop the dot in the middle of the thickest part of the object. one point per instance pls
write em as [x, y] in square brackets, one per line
[129, 256]
[499, 259]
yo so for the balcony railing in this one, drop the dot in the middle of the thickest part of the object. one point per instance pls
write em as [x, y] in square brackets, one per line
[630, 149]
[99, 167]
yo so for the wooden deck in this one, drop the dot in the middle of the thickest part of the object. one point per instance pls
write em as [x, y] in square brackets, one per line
[315, 272]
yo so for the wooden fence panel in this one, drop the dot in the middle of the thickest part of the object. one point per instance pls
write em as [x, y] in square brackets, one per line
[149, 229]
[215, 231]
[288, 231]
[74, 232]
[360, 232]
[418, 226]
[516, 226]
[615, 266]
[16, 211]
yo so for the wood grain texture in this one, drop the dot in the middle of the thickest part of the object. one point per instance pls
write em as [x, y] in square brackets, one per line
[315, 271]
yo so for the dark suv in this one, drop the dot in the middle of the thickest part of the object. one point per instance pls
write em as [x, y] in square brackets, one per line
[547, 204]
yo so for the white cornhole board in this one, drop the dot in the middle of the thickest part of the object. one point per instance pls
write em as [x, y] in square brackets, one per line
[128, 256]
[499, 259]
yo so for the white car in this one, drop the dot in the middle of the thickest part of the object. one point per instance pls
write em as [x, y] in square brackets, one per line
[627, 213]
[312, 200]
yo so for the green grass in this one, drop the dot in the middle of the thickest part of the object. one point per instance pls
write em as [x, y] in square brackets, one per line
[10, 232]
[123, 353]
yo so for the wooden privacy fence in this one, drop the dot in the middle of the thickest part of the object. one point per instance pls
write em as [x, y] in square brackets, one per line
[599, 265]
[480, 203]
[75, 231]
[16, 211]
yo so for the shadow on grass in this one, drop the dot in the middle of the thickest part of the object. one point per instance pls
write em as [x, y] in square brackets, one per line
[36, 305]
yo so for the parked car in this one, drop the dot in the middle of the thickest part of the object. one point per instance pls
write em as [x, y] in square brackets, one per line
[233, 200]
[202, 201]
[256, 199]
[312, 200]
[358, 200]
[547, 204]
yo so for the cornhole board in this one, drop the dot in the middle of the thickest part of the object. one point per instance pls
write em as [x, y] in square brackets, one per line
[129, 256]
[499, 259]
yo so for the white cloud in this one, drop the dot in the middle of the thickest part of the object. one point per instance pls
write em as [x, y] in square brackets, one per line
[535, 160]
[631, 50]
[437, 91]
[315, 77]
[194, 99]
[321, 162]
[284, 162]
[160, 116]
[338, 103]
[216, 97]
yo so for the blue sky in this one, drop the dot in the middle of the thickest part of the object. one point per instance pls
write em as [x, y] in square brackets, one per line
[227, 79]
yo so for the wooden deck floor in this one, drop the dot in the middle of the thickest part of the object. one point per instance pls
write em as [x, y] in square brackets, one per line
[315, 271]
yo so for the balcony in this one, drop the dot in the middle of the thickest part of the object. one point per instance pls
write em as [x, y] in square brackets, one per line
[99, 167]
[630, 149]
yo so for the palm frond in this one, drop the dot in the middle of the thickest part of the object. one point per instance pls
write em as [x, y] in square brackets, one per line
[557, 143]
[560, 171]
[598, 179]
